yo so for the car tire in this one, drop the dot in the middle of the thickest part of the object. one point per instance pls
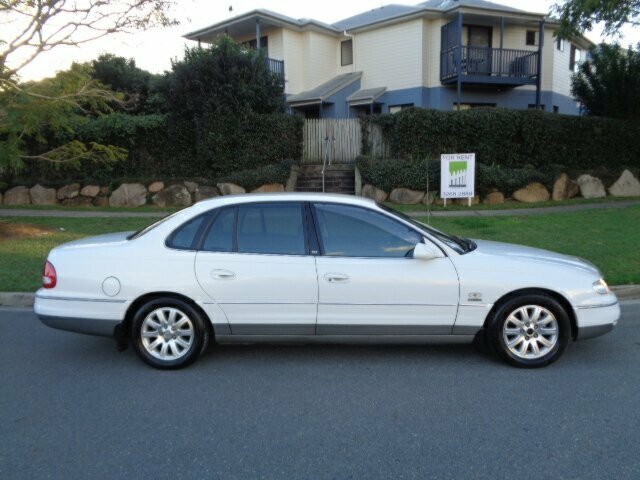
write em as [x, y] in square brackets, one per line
[168, 333]
[529, 331]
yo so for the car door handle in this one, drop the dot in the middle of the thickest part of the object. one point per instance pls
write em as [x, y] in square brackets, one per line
[336, 277]
[222, 275]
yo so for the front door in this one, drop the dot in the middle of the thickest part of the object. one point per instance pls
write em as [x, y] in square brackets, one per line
[369, 283]
[479, 50]
[254, 264]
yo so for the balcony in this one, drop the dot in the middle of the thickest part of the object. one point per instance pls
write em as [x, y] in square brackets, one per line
[488, 66]
[276, 67]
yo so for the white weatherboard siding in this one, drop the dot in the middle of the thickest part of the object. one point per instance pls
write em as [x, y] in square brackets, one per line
[390, 56]
[561, 72]
[431, 57]
[293, 55]
[320, 62]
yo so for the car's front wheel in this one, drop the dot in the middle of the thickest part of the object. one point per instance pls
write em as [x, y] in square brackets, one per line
[168, 333]
[529, 331]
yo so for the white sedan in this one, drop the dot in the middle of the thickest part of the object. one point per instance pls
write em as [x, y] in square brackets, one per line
[318, 268]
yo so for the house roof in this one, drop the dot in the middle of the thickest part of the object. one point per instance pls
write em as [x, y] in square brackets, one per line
[363, 97]
[324, 90]
[445, 5]
[387, 12]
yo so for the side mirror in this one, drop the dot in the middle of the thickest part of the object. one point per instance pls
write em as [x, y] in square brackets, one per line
[427, 251]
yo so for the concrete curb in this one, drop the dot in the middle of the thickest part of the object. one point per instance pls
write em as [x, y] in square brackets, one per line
[25, 299]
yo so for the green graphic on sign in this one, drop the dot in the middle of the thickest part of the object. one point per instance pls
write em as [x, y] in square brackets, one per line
[458, 173]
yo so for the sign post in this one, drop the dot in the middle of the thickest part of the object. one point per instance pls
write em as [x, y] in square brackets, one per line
[457, 176]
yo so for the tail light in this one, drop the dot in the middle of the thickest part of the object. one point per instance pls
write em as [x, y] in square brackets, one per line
[49, 277]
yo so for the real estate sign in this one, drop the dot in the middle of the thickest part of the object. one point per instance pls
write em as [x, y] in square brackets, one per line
[457, 175]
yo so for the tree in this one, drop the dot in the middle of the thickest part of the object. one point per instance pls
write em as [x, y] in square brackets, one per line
[577, 16]
[122, 75]
[38, 120]
[608, 83]
[31, 112]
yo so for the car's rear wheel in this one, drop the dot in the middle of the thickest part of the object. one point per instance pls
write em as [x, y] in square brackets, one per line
[529, 331]
[168, 333]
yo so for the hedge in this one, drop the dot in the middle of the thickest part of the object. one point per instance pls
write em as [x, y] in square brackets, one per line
[421, 174]
[256, 177]
[161, 148]
[515, 138]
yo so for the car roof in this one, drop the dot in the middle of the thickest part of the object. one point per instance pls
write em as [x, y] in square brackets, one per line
[282, 197]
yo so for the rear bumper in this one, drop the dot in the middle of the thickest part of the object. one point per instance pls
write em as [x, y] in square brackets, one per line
[597, 320]
[89, 326]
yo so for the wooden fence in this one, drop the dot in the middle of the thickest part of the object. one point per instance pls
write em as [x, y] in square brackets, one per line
[345, 140]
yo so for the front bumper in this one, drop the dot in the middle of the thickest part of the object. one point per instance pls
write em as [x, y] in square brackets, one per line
[594, 321]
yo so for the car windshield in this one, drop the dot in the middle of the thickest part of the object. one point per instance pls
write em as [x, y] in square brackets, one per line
[458, 244]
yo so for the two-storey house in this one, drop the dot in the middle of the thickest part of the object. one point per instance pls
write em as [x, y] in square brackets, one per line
[442, 54]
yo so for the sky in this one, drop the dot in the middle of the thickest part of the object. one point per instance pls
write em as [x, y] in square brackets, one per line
[154, 49]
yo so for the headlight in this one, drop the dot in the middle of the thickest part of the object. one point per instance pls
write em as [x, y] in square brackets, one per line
[601, 287]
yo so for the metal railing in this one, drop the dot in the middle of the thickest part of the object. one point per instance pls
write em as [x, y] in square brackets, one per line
[276, 67]
[488, 62]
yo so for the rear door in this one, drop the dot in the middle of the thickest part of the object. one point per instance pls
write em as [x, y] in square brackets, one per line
[254, 263]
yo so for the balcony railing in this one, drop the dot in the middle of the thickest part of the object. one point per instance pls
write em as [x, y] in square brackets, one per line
[488, 65]
[276, 67]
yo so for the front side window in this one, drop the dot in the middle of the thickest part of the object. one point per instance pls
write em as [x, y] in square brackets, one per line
[276, 228]
[350, 231]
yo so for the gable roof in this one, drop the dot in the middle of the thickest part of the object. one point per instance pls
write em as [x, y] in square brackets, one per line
[324, 90]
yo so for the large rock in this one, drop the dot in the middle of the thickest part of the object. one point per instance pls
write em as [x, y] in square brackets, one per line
[230, 189]
[191, 186]
[17, 196]
[90, 191]
[591, 187]
[173, 196]
[129, 195]
[626, 186]
[534, 192]
[564, 188]
[269, 188]
[494, 198]
[406, 196]
[206, 191]
[105, 191]
[43, 196]
[68, 191]
[155, 187]
[369, 191]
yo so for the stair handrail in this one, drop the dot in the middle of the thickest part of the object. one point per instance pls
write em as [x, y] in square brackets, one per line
[327, 142]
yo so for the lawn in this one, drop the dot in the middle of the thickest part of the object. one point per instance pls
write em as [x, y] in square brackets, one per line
[608, 238]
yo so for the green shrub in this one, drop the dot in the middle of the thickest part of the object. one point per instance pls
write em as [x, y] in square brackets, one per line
[514, 138]
[254, 178]
[397, 173]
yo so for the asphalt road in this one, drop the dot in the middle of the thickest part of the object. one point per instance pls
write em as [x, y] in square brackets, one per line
[73, 407]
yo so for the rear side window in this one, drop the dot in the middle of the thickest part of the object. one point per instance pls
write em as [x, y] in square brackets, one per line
[184, 237]
[219, 238]
[271, 229]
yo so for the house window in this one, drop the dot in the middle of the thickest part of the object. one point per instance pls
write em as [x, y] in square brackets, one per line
[253, 45]
[532, 106]
[469, 106]
[346, 52]
[532, 37]
[398, 108]
[575, 57]
[560, 44]
[556, 109]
